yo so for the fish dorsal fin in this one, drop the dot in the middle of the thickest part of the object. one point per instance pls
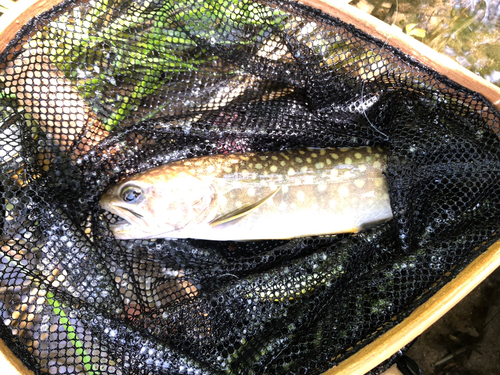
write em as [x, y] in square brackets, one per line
[242, 211]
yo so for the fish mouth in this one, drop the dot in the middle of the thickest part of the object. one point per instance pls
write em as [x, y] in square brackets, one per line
[122, 219]
[118, 223]
[131, 212]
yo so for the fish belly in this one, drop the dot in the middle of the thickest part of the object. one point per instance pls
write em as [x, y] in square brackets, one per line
[298, 209]
[282, 218]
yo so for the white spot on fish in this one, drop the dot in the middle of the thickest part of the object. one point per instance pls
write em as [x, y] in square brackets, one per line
[314, 155]
[282, 163]
[228, 169]
[344, 149]
[291, 171]
[334, 174]
[222, 200]
[298, 160]
[302, 152]
[360, 183]
[301, 196]
[358, 155]
[322, 186]
[322, 152]
[262, 157]
[273, 168]
[335, 156]
[328, 162]
[344, 191]
[308, 160]
[303, 169]
[308, 180]
[251, 192]
[319, 165]
[378, 182]
[258, 166]
[284, 189]
[377, 164]
[348, 161]
[274, 157]
[244, 173]
[285, 156]
[362, 167]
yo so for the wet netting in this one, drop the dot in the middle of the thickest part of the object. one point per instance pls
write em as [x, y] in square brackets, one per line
[93, 91]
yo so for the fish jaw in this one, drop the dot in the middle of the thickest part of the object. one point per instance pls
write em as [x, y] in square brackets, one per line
[120, 229]
[130, 224]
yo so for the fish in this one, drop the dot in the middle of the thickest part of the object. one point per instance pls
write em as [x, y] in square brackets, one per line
[253, 196]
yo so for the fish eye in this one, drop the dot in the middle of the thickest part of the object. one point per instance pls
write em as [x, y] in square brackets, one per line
[131, 194]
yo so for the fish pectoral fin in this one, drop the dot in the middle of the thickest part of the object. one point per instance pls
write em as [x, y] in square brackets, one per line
[242, 211]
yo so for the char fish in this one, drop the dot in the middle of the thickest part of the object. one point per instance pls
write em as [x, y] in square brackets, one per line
[253, 196]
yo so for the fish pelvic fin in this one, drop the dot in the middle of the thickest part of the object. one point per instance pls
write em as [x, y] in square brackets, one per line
[242, 211]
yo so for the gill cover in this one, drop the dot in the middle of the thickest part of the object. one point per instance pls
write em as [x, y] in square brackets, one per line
[157, 202]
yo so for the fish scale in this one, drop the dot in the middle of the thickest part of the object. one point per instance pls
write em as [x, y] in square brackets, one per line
[268, 195]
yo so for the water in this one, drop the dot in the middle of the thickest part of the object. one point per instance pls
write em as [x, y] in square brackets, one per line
[466, 30]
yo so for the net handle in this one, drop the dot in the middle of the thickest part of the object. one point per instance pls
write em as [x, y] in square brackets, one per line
[422, 318]
[18, 14]
[395, 37]
[10, 364]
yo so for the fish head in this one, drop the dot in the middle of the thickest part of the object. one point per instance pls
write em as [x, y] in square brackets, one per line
[156, 202]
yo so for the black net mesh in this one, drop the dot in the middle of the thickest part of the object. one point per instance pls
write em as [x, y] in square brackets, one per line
[93, 91]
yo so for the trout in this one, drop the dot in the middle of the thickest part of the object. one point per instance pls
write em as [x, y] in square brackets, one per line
[253, 196]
